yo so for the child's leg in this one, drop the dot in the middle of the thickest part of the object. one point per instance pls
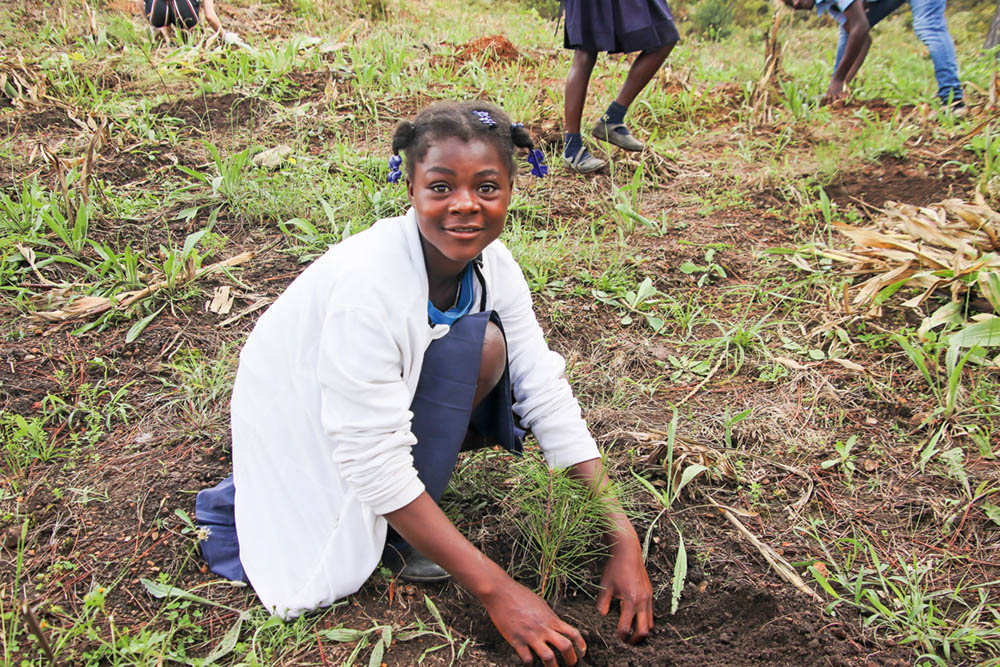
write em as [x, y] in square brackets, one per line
[187, 12]
[158, 13]
[874, 12]
[576, 88]
[646, 65]
[433, 456]
[611, 126]
[575, 154]
[931, 27]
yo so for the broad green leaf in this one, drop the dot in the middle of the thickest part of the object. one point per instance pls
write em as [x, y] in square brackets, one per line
[437, 615]
[158, 590]
[985, 333]
[823, 582]
[689, 474]
[989, 285]
[680, 572]
[992, 512]
[689, 267]
[655, 323]
[652, 489]
[344, 634]
[646, 290]
[136, 329]
[931, 449]
[192, 240]
[228, 642]
[375, 659]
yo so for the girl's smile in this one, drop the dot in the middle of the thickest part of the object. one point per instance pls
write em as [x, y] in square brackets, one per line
[460, 191]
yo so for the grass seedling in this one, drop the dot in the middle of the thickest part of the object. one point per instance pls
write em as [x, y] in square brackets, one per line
[25, 441]
[944, 386]
[942, 625]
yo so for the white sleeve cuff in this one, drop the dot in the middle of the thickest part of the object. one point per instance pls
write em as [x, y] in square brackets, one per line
[400, 499]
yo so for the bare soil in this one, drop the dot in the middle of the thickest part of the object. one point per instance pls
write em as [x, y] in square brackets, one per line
[734, 611]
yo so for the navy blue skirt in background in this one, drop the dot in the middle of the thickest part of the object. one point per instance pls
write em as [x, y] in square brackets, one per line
[443, 414]
[618, 26]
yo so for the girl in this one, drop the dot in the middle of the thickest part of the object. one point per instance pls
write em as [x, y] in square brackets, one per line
[615, 26]
[360, 385]
[181, 13]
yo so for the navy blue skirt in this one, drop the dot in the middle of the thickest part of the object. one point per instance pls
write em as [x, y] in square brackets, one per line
[443, 415]
[618, 26]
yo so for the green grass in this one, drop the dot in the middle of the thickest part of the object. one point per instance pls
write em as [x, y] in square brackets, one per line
[652, 279]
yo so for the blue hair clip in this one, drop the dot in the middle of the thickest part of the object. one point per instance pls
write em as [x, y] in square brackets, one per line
[485, 118]
[513, 125]
[394, 173]
[537, 160]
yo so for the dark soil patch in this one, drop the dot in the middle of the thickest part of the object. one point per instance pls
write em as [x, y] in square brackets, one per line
[880, 108]
[47, 119]
[895, 179]
[216, 112]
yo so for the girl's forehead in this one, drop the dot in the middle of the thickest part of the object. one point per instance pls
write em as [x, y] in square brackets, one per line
[458, 148]
[455, 151]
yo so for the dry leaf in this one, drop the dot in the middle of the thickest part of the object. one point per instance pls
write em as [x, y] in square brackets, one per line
[272, 158]
[222, 300]
[848, 364]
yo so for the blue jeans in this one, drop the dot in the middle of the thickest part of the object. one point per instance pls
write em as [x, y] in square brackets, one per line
[932, 29]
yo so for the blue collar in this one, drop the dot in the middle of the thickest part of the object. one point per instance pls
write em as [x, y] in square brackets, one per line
[460, 309]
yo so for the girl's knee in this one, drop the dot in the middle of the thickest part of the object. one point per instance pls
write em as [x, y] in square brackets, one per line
[494, 360]
[585, 59]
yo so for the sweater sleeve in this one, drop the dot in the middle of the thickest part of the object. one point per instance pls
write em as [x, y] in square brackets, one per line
[365, 408]
[543, 398]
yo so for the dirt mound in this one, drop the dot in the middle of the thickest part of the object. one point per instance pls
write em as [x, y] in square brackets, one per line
[491, 50]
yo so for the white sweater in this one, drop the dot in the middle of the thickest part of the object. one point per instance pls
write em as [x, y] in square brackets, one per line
[320, 410]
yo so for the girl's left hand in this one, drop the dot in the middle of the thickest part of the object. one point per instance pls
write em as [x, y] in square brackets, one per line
[625, 579]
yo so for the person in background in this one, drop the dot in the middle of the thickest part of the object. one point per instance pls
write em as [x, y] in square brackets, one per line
[856, 18]
[614, 26]
[183, 14]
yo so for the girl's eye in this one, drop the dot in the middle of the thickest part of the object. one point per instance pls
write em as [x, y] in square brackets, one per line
[488, 187]
[439, 187]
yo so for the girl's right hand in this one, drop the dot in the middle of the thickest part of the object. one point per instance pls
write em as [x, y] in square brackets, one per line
[531, 627]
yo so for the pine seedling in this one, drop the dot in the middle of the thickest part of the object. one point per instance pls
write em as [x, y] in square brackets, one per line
[559, 523]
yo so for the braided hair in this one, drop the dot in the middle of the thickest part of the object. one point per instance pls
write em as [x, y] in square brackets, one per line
[477, 120]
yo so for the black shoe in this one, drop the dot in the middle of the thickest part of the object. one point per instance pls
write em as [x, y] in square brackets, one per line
[410, 565]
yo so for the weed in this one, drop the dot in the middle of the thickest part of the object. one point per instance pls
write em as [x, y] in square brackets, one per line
[24, 442]
[708, 272]
[845, 459]
[676, 481]
[199, 390]
[940, 624]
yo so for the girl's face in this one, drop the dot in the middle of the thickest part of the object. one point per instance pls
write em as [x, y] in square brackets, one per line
[460, 192]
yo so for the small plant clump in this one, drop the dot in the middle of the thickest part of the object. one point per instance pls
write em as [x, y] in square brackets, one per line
[559, 526]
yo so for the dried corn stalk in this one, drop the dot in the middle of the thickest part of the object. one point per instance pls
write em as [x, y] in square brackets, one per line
[952, 245]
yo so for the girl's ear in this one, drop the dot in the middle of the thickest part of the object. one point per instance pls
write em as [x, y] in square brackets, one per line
[409, 189]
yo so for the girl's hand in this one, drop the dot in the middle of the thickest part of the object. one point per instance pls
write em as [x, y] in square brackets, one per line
[531, 627]
[625, 579]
